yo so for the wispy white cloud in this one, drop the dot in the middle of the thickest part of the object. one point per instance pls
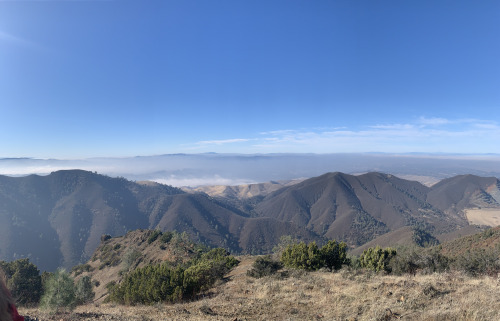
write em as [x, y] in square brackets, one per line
[394, 126]
[10, 38]
[433, 121]
[425, 134]
[222, 141]
[15, 40]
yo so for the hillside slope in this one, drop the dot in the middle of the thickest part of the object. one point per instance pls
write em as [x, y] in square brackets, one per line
[57, 220]
[357, 209]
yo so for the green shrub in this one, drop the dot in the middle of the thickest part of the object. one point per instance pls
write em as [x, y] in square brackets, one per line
[109, 256]
[83, 290]
[201, 276]
[129, 258]
[478, 261]
[309, 257]
[334, 255]
[105, 237]
[162, 282]
[423, 238]
[23, 280]
[166, 237]
[79, 269]
[405, 262]
[264, 266]
[219, 255]
[154, 235]
[377, 259]
[432, 261]
[301, 256]
[59, 292]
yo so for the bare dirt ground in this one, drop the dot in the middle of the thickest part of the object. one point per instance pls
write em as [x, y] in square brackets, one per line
[344, 295]
[484, 216]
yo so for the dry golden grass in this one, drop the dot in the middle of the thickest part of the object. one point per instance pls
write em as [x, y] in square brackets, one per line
[345, 295]
[484, 216]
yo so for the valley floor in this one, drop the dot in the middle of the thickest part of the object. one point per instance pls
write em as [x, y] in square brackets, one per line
[345, 295]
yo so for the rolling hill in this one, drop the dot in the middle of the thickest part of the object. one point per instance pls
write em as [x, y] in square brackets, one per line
[58, 219]
[359, 208]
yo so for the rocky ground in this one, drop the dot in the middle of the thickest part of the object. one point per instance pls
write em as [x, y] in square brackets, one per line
[344, 295]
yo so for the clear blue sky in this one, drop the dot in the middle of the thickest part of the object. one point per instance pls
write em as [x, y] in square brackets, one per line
[144, 77]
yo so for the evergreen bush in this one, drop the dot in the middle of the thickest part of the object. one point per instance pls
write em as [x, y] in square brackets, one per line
[59, 292]
[83, 290]
[153, 236]
[23, 280]
[478, 261]
[377, 259]
[164, 283]
[309, 257]
[264, 266]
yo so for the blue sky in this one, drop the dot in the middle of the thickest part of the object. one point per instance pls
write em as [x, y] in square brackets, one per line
[124, 78]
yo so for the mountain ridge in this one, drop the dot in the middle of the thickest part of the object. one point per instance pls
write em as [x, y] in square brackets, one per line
[58, 219]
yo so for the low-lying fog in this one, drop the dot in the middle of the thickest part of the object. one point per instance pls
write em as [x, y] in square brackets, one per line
[234, 169]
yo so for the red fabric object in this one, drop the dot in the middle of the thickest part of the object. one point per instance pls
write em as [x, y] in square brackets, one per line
[15, 314]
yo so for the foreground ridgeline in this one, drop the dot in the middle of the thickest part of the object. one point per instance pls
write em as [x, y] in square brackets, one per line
[192, 275]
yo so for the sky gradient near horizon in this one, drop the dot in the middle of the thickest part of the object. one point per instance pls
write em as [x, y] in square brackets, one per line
[124, 78]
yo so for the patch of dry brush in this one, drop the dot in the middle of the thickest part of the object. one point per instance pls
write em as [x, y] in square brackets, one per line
[345, 295]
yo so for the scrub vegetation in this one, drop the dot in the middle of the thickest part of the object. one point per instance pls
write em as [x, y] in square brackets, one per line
[450, 281]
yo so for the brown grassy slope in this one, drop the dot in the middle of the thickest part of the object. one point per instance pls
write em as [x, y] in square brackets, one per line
[57, 220]
[107, 264]
[219, 226]
[453, 195]
[402, 237]
[242, 191]
[319, 296]
[355, 209]
[488, 239]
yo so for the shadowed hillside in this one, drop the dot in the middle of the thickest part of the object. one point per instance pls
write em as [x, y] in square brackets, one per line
[360, 208]
[57, 220]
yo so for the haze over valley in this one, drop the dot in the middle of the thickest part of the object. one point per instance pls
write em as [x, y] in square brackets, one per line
[235, 169]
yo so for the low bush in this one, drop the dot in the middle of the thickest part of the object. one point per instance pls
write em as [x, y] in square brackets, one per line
[309, 257]
[79, 269]
[162, 282]
[423, 238]
[377, 259]
[478, 261]
[264, 266]
[83, 290]
[153, 236]
[166, 237]
[129, 258]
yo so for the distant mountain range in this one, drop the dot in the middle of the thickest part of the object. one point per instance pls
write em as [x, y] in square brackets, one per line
[58, 219]
[236, 169]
